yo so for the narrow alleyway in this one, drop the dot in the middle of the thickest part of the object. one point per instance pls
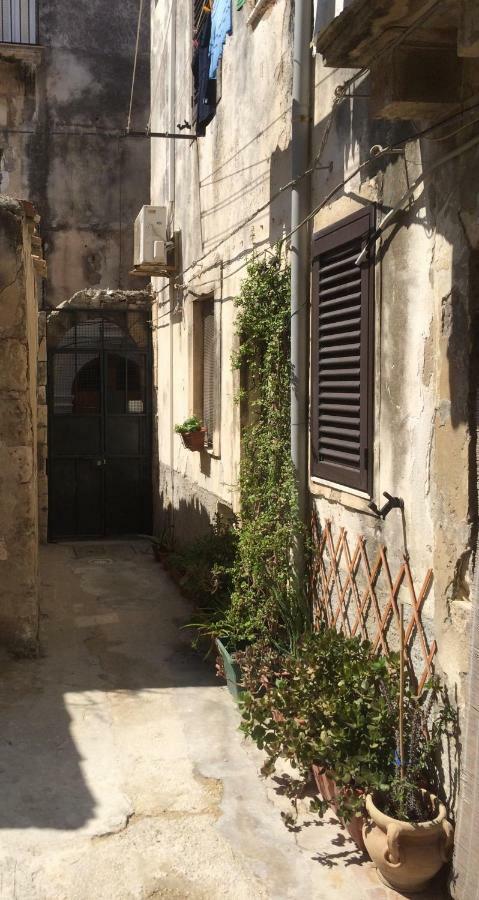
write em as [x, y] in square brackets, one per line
[122, 773]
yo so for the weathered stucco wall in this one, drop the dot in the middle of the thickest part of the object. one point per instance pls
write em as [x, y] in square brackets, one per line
[426, 283]
[218, 181]
[18, 432]
[63, 109]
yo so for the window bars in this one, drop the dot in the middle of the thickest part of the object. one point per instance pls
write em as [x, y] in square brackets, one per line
[18, 22]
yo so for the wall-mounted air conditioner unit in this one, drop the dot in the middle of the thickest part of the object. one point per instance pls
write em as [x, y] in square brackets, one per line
[155, 253]
[150, 245]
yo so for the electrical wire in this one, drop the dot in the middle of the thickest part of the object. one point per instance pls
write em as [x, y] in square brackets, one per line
[409, 193]
[333, 192]
[138, 30]
[341, 94]
[451, 134]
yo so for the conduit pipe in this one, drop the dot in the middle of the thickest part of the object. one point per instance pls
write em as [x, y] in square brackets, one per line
[300, 146]
[171, 214]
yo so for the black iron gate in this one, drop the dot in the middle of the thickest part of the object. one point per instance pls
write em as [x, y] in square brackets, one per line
[99, 470]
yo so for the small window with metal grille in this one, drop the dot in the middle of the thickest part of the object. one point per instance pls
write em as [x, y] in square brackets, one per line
[342, 353]
[209, 368]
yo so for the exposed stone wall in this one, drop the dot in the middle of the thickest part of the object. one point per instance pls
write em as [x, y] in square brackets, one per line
[42, 429]
[18, 432]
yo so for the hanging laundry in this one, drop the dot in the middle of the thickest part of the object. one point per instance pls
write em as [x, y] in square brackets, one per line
[204, 89]
[221, 26]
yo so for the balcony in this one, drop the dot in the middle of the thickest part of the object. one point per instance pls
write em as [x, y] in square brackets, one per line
[394, 38]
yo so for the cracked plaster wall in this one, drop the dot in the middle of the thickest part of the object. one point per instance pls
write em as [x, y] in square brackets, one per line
[425, 350]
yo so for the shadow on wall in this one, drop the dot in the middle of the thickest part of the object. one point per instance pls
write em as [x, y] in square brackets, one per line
[179, 520]
[111, 624]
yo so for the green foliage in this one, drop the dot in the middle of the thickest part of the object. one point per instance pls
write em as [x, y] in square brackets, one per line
[265, 589]
[331, 704]
[428, 720]
[189, 425]
[206, 567]
[334, 704]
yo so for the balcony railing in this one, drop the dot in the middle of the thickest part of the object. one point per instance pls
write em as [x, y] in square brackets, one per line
[18, 22]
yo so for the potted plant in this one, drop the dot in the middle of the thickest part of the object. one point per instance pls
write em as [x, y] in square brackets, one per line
[407, 834]
[192, 433]
[411, 845]
[324, 708]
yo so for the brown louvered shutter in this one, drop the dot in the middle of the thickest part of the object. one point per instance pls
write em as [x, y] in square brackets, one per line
[342, 353]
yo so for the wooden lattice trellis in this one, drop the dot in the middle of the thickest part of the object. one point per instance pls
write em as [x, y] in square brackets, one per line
[355, 597]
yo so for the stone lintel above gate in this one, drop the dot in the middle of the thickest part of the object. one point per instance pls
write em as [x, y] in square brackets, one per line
[93, 298]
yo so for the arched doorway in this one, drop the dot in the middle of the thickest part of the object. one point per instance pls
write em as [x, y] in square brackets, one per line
[99, 423]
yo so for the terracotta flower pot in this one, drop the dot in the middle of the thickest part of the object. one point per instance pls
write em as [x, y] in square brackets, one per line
[329, 791]
[194, 440]
[407, 855]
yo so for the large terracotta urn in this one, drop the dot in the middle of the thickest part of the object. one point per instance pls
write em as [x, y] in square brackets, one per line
[407, 855]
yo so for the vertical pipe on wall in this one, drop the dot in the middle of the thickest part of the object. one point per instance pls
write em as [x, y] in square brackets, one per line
[300, 138]
[172, 125]
[171, 214]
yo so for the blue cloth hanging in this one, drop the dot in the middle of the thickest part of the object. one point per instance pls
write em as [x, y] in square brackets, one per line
[221, 26]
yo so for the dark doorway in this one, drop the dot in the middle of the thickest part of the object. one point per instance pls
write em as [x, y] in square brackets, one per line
[99, 471]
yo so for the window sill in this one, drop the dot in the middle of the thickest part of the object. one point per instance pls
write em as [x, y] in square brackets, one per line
[30, 54]
[338, 493]
[256, 13]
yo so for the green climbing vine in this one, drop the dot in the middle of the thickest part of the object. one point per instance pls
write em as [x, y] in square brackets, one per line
[264, 587]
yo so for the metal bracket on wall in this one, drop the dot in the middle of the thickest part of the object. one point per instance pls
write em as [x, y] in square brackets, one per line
[161, 134]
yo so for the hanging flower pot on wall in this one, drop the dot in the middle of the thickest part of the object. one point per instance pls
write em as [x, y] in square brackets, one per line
[192, 433]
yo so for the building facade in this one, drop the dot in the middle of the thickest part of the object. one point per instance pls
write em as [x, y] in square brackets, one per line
[393, 263]
[210, 186]
[389, 93]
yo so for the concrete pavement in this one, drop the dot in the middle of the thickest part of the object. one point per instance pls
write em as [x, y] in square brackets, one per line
[122, 771]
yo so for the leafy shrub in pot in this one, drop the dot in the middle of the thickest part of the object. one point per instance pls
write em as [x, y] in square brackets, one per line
[333, 706]
[329, 705]
[407, 834]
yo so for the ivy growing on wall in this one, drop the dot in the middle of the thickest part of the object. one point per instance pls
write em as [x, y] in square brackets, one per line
[265, 590]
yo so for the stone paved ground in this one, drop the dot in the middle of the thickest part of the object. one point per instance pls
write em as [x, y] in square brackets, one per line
[122, 772]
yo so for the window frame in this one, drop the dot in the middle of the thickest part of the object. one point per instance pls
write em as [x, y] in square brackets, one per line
[208, 310]
[360, 224]
[213, 447]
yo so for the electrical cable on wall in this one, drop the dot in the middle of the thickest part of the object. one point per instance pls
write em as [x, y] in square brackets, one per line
[341, 94]
[385, 151]
[138, 30]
